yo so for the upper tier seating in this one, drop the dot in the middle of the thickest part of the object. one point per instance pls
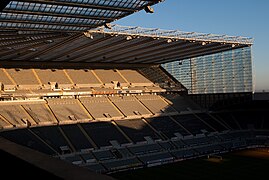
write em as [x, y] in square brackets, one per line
[16, 115]
[166, 127]
[108, 76]
[135, 78]
[180, 103]
[83, 78]
[38, 80]
[211, 121]
[192, 123]
[24, 78]
[76, 137]
[136, 129]
[130, 106]
[26, 138]
[103, 133]
[50, 76]
[40, 113]
[53, 137]
[155, 104]
[100, 108]
[5, 124]
[5, 80]
[68, 110]
[159, 76]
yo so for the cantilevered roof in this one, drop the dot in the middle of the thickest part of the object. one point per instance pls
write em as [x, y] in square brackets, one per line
[65, 15]
[121, 44]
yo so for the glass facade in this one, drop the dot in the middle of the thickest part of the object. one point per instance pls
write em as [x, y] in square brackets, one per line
[224, 72]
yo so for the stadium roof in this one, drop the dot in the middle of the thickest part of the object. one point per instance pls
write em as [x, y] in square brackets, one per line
[66, 15]
[80, 31]
[120, 44]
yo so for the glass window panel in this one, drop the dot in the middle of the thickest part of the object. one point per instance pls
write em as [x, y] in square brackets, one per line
[225, 72]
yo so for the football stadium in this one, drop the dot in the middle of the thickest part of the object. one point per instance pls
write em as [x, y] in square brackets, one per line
[84, 98]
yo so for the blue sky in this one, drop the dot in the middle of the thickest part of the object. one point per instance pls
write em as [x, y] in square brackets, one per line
[248, 18]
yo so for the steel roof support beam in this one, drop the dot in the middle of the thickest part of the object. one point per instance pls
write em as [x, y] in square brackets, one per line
[128, 49]
[120, 47]
[134, 48]
[211, 51]
[56, 14]
[153, 1]
[186, 55]
[155, 48]
[156, 54]
[84, 5]
[80, 48]
[57, 45]
[50, 23]
[84, 52]
[28, 45]
[185, 51]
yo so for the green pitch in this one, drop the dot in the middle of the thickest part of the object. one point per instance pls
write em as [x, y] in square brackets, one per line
[247, 164]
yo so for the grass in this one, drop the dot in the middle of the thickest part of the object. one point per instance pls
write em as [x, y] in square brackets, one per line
[246, 164]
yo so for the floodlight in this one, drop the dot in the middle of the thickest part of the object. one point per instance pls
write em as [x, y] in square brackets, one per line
[88, 35]
[129, 38]
[169, 40]
[108, 25]
[149, 9]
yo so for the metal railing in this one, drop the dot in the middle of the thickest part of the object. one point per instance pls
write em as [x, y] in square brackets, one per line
[172, 34]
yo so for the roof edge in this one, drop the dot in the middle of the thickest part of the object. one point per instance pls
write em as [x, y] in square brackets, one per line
[173, 35]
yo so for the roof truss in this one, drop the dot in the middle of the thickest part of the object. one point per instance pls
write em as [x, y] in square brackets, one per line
[66, 15]
[121, 45]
